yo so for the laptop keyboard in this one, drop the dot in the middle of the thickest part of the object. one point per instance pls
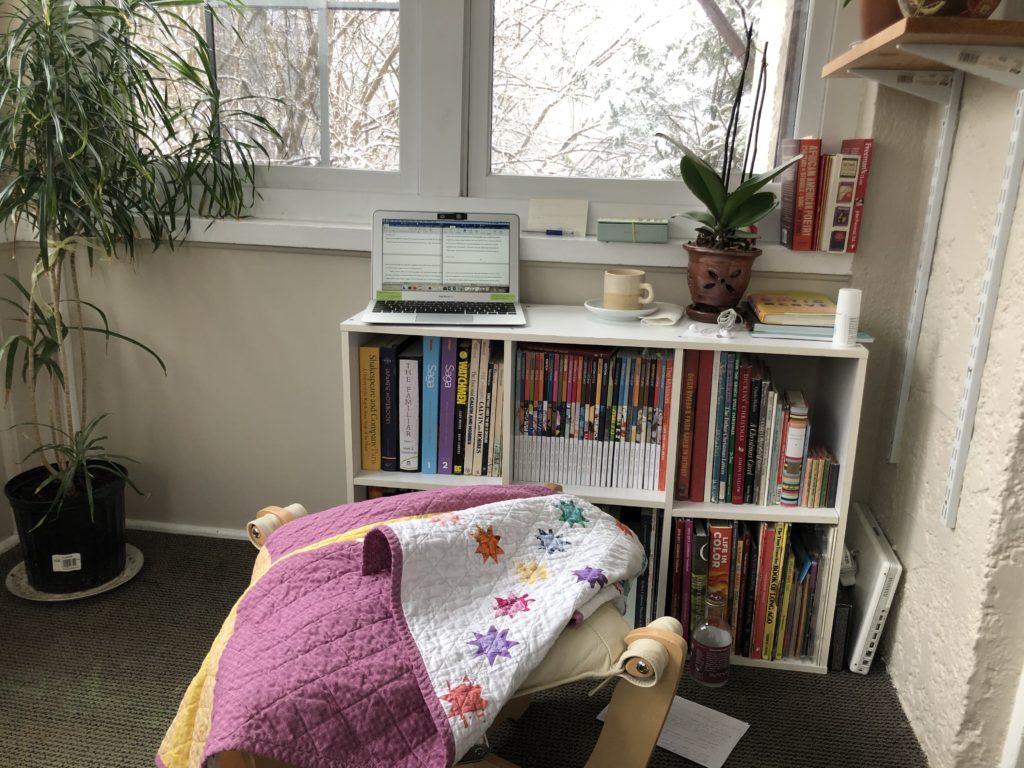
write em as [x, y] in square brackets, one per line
[447, 307]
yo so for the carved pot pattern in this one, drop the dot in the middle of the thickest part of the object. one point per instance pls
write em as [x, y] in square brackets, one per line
[717, 280]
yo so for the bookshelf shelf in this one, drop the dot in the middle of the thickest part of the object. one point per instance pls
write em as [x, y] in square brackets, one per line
[887, 49]
[832, 379]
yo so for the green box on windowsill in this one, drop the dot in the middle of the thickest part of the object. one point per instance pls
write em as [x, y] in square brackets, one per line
[632, 230]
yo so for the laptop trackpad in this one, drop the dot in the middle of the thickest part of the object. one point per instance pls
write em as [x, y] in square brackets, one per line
[442, 319]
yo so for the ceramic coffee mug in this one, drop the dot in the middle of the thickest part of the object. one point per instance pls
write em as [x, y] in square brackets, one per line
[626, 289]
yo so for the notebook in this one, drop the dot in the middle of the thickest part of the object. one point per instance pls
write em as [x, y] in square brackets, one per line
[878, 572]
[436, 268]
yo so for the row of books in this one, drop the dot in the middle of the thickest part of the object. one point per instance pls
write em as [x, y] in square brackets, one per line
[822, 201]
[431, 404]
[642, 594]
[743, 440]
[592, 415]
[771, 576]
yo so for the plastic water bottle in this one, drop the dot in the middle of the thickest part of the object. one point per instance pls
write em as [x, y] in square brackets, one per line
[712, 645]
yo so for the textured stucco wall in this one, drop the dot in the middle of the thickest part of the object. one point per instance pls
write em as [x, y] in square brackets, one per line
[954, 642]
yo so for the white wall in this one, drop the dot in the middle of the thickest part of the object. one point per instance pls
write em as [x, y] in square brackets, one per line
[956, 638]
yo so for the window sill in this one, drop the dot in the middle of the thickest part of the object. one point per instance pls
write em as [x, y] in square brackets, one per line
[538, 248]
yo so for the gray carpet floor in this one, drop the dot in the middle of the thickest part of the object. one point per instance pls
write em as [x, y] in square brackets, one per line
[95, 683]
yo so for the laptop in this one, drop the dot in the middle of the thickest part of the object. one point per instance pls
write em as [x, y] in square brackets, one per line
[878, 572]
[436, 268]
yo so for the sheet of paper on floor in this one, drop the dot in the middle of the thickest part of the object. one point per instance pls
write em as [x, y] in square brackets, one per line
[698, 733]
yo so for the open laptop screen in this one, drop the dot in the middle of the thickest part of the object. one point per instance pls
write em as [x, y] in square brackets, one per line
[449, 255]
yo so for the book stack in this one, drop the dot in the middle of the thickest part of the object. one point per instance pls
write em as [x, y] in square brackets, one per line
[822, 201]
[806, 315]
[592, 415]
[768, 574]
[431, 404]
[743, 440]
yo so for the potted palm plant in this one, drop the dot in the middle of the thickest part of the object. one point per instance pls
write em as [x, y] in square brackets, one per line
[721, 257]
[112, 130]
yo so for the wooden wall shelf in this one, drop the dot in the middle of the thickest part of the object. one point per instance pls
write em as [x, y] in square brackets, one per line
[882, 51]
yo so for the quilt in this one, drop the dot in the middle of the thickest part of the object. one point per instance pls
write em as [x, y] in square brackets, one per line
[390, 633]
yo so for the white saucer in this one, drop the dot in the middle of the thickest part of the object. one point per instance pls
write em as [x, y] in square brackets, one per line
[619, 315]
[17, 581]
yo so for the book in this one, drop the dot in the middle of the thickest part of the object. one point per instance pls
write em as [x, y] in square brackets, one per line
[472, 393]
[799, 193]
[741, 430]
[840, 629]
[431, 397]
[771, 616]
[684, 613]
[675, 591]
[802, 332]
[698, 573]
[691, 363]
[369, 407]
[786, 582]
[701, 424]
[710, 479]
[390, 347]
[446, 406]
[864, 149]
[724, 428]
[410, 362]
[794, 448]
[479, 407]
[753, 545]
[838, 183]
[461, 405]
[765, 554]
[719, 557]
[729, 450]
[793, 308]
[736, 579]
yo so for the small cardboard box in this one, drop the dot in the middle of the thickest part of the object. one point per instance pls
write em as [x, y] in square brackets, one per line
[632, 230]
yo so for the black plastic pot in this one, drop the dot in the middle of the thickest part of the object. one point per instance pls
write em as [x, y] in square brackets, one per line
[69, 552]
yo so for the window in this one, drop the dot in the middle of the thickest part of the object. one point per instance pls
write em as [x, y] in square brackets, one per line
[505, 99]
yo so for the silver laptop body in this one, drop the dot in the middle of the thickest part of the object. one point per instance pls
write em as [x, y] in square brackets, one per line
[437, 268]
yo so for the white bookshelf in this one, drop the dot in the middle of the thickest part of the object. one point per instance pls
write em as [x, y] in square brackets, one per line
[831, 378]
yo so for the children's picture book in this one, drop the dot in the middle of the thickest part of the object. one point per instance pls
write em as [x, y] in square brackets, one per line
[793, 308]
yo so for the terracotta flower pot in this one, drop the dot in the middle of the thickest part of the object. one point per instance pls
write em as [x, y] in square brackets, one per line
[717, 280]
[876, 15]
[978, 9]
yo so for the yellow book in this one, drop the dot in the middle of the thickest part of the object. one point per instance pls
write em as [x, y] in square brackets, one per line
[793, 308]
[369, 407]
[772, 612]
[780, 636]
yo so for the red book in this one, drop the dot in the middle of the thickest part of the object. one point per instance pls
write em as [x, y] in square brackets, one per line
[743, 570]
[719, 557]
[691, 361]
[739, 463]
[701, 425]
[799, 193]
[863, 148]
[665, 419]
[765, 550]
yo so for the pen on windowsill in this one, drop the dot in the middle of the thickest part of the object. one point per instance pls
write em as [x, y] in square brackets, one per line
[550, 232]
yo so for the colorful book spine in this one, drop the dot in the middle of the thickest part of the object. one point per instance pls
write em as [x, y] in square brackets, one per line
[461, 406]
[799, 193]
[750, 590]
[778, 560]
[719, 557]
[676, 580]
[739, 467]
[691, 363]
[766, 550]
[864, 149]
[795, 445]
[446, 406]
[369, 407]
[723, 428]
[730, 451]
[753, 427]
[714, 435]
[667, 363]
[835, 201]
[431, 399]
[785, 600]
